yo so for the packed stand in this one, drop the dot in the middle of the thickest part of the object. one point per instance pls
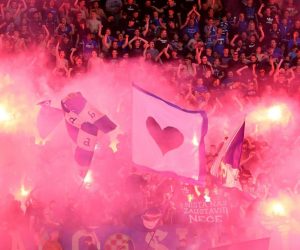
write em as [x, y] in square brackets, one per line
[205, 46]
[214, 53]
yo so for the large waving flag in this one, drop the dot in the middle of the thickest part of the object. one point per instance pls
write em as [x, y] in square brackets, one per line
[226, 165]
[48, 118]
[84, 122]
[167, 138]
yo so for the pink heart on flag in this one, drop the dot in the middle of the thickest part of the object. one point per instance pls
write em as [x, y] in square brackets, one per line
[167, 139]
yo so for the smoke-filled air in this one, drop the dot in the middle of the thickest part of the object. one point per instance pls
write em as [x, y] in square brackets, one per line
[149, 125]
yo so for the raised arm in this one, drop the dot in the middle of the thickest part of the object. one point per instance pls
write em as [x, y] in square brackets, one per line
[72, 55]
[162, 24]
[186, 23]
[126, 42]
[61, 8]
[131, 41]
[194, 65]
[160, 11]
[2, 10]
[277, 70]
[239, 71]
[18, 11]
[57, 28]
[259, 12]
[100, 26]
[76, 4]
[279, 65]
[198, 54]
[262, 33]
[145, 50]
[199, 4]
[164, 51]
[271, 61]
[144, 40]
[232, 42]
[146, 26]
[57, 50]
[47, 32]
[104, 41]
[24, 6]
[194, 10]
[8, 4]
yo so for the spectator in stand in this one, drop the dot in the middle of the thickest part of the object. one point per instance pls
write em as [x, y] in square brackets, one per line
[53, 243]
[62, 64]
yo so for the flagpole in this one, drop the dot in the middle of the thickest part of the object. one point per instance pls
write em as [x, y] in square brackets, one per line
[148, 245]
[154, 232]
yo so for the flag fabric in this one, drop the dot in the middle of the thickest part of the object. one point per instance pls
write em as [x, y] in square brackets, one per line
[226, 165]
[83, 123]
[167, 138]
[258, 244]
[48, 118]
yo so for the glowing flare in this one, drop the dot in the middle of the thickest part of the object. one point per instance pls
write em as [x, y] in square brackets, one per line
[265, 118]
[17, 113]
[24, 192]
[5, 115]
[207, 198]
[88, 179]
[114, 145]
[190, 197]
[195, 140]
[278, 209]
[275, 113]
[114, 141]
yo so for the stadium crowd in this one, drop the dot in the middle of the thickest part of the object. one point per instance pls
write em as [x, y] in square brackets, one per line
[204, 45]
[213, 52]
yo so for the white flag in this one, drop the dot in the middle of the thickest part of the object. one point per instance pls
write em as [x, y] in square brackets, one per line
[167, 138]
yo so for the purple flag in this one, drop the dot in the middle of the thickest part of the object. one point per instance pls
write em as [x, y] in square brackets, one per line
[234, 151]
[226, 165]
[83, 123]
[48, 118]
